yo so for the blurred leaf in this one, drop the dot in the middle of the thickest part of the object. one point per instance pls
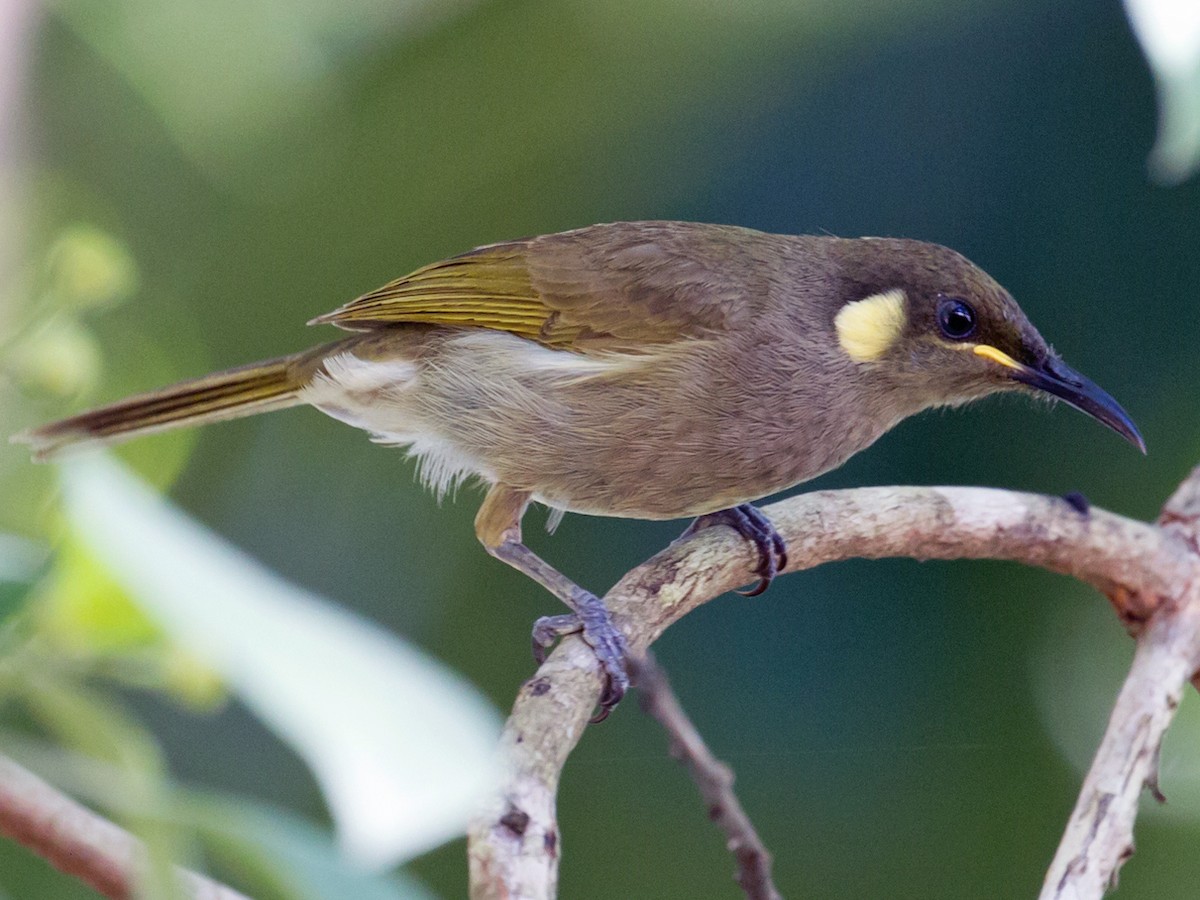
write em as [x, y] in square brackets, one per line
[60, 357]
[288, 855]
[85, 610]
[12, 598]
[89, 267]
[1169, 31]
[1081, 667]
[21, 562]
[1179, 766]
[84, 613]
[403, 748]
[20, 559]
[190, 679]
[96, 727]
[1076, 674]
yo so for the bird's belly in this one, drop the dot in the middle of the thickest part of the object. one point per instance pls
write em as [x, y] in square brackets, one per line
[653, 479]
[620, 436]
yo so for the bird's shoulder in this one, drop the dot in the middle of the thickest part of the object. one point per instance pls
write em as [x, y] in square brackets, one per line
[627, 283]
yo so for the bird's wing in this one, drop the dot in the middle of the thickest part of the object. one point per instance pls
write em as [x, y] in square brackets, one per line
[606, 286]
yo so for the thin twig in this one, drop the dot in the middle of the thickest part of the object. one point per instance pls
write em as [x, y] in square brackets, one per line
[79, 842]
[713, 779]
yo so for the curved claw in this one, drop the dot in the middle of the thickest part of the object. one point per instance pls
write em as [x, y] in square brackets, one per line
[748, 521]
[604, 639]
[760, 588]
[609, 697]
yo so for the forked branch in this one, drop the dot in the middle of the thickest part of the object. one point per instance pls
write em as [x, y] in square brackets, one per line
[1150, 572]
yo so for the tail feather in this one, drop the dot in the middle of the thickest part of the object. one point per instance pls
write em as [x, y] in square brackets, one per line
[244, 391]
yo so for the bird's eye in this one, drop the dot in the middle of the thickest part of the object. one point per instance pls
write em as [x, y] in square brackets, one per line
[956, 319]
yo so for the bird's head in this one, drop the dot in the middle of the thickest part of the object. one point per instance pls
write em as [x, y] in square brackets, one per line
[938, 330]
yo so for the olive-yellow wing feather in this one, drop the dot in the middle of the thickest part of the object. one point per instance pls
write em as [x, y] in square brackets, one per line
[606, 286]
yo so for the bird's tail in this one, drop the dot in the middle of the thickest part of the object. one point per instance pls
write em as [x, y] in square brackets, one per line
[244, 391]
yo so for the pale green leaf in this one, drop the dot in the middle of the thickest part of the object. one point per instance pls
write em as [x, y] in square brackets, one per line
[403, 748]
[1077, 674]
[1169, 31]
[277, 849]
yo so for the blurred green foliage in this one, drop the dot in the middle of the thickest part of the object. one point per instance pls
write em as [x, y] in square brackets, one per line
[204, 180]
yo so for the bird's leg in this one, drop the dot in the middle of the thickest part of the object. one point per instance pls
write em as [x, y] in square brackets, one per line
[498, 527]
[748, 521]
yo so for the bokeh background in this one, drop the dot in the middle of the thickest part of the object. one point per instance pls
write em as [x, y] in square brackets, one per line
[197, 180]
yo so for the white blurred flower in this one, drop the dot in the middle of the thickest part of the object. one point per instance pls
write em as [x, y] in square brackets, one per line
[1169, 31]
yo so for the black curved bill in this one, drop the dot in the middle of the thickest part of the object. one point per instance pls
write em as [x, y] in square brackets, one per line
[1057, 378]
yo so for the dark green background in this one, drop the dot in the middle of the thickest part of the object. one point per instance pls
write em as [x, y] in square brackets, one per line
[882, 718]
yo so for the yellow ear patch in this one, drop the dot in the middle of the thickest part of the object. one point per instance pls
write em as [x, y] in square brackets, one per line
[867, 328]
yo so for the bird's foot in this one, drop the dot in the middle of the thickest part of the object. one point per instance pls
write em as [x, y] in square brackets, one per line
[606, 641]
[1078, 502]
[748, 521]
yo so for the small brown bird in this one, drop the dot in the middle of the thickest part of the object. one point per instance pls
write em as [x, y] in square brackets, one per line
[643, 369]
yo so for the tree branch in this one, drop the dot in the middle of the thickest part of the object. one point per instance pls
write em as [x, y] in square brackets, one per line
[514, 846]
[1099, 835]
[79, 842]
